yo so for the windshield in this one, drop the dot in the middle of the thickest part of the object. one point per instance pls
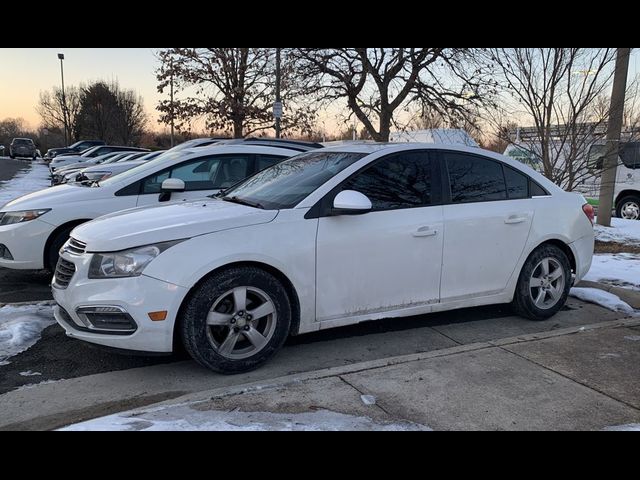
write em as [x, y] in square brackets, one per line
[287, 183]
[169, 155]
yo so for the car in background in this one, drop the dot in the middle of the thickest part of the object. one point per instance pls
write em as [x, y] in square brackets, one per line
[34, 227]
[1, 150]
[199, 142]
[326, 239]
[75, 167]
[23, 147]
[64, 160]
[103, 171]
[75, 149]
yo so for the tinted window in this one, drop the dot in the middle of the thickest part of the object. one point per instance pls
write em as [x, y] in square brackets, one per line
[265, 161]
[631, 155]
[474, 179]
[517, 183]
[400, 181]
[536, 190]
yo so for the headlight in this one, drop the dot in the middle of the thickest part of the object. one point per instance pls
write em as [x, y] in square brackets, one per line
[9, 218]
[128, 263]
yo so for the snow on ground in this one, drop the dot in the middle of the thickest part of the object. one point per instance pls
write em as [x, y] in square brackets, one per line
[20, 328]
[632, 427]
[619, 269]
[604, 299]
[28, 181]
[186, 418]
[621, 231]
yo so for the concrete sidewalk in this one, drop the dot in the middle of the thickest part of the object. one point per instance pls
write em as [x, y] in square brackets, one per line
[573, 379]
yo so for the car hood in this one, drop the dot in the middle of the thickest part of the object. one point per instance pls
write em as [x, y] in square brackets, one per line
[145, 226]
[56, 196]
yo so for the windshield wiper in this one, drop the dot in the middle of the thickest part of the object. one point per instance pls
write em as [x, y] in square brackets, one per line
[242, 201]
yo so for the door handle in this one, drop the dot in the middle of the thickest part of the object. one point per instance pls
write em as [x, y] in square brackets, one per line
[425, 232]
[515, 219]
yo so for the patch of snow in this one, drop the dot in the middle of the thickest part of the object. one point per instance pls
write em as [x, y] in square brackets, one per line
[29, 373]
[602, 298]
[632, 427]
[633, 338]
[186, 418]
[35, 178]
[368, 399]
[34, 385]
[621, 231]
[21, 326]
[619, 269]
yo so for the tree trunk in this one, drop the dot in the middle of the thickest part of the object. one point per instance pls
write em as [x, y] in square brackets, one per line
[238, 129]
[385, 127]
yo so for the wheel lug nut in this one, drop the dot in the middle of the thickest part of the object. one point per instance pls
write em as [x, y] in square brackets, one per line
[241, 314]
[249, 317]
[247, 328]
[233, 321]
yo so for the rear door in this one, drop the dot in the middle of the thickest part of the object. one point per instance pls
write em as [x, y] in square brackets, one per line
[486, 223]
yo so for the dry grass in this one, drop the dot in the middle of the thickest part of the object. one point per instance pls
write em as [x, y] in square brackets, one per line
[613, 247]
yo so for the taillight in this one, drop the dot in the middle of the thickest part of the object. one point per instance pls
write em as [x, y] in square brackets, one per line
[589, 212]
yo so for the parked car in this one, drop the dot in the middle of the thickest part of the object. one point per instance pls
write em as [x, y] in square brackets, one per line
[1, 150]
[34, 227]
[328, 238]
[102, 172]
[62, 172]
[23, 147]
[75, 149]
[64, 160]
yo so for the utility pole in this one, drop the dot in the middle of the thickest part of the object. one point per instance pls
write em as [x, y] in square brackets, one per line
[614, 130]
[172, 122]
[65, 112]
[277, 108]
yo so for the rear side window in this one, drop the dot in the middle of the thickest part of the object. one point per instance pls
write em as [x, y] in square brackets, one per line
[517, 184]
[475, 179]
[397, 182]
[265, 161]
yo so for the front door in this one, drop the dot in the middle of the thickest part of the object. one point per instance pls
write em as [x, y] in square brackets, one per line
[390, 258]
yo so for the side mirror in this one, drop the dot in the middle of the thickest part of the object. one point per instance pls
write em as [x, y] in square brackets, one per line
[350, 202]
[169, 186]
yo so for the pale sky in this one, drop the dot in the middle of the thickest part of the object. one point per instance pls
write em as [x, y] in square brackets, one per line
[25, 72]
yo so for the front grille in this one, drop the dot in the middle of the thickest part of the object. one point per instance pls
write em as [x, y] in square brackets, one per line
[64, 273]
[76, 247]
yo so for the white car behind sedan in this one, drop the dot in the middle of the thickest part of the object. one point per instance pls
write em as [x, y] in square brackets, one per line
[328, 238]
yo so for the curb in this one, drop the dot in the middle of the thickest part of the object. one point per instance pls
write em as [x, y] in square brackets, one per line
[204, 396]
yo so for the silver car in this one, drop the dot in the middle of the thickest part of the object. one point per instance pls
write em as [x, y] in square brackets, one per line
[23, 147]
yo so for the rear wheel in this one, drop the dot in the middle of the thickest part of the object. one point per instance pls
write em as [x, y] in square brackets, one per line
[544, 284]
[236, 320]
[629, 208]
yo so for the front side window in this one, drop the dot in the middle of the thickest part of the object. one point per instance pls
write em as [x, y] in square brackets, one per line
[474, 179]
[396, 182]
[630, 155]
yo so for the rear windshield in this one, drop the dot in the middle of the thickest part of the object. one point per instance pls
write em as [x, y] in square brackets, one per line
[22, 141]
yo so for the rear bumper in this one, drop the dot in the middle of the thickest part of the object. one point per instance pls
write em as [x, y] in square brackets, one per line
[583, 252]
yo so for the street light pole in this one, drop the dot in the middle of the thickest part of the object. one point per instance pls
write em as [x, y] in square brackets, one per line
[64, 101]
[172, 121]
[277, 109]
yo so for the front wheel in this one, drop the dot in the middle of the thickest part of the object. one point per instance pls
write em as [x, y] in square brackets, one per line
[629, 208]
[544, 284]
[236, 320]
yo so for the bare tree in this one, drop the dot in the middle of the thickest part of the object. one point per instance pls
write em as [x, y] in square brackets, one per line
[232, 89]
[58, 112]
[380, 83]
[558, 89]
[131, 117]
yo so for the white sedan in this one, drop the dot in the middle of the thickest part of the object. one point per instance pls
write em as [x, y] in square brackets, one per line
[325, 239]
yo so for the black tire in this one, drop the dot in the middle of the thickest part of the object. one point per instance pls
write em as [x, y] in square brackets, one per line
[54, 248]
[196, 334]
[12, 157]
[523, 303]
[628, 199]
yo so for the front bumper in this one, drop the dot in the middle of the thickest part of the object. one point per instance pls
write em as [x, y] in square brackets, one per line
[137, 296]
[26, 242]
